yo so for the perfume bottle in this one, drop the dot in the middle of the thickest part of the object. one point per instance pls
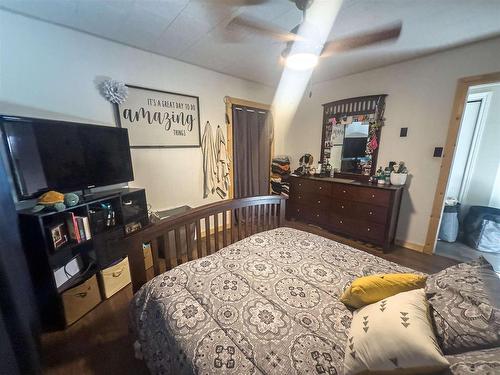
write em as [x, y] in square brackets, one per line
[327, 168]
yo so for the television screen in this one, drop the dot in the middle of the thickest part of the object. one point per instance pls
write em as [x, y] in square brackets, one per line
[64, 156]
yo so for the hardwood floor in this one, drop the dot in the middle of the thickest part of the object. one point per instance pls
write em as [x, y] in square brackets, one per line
[100, 343]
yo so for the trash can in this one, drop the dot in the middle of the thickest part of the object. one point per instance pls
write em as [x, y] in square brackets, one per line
[482, 228]
[448, 230]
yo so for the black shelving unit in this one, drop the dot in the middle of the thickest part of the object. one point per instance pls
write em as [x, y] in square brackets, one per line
[108, 244]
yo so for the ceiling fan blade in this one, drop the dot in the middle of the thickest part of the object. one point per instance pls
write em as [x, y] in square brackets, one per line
[259, 27]
[384, 34]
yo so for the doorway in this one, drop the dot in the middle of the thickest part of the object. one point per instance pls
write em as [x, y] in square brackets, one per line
[469, 199]
[250, 144]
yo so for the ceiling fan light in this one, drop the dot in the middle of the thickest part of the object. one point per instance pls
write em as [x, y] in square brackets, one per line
[301, 61]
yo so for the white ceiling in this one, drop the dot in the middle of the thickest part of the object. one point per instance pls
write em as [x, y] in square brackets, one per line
[193, 30]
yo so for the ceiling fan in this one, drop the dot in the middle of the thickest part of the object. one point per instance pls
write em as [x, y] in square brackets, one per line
[306, 51]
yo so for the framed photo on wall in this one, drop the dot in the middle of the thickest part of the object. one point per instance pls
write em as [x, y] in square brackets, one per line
[157, 119]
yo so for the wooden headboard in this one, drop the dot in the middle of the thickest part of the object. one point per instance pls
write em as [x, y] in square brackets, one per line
[202, 231]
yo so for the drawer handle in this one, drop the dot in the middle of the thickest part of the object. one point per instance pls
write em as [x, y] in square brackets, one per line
[317, 215]
[368, 229]
[343, 191]
[341, 222]
[341, 206]
[370, 213]
[298, 209]
[300, 196]
[373, 195]
[300, 184]
[117, 273]
[83, 294]
[321, 187]
[319, 201]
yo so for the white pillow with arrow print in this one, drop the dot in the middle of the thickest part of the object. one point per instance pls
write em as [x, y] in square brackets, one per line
[394, 335]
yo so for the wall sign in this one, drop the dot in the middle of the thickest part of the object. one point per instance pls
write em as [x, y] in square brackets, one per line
[160, 119]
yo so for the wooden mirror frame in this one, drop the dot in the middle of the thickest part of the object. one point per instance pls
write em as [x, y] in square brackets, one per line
[362, 105]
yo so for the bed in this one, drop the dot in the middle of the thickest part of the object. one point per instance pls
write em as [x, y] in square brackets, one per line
[264, 304]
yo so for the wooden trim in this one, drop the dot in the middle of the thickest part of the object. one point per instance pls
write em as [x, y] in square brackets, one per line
[246, 103]
[449, 150]
[229, 102]
[410, 245]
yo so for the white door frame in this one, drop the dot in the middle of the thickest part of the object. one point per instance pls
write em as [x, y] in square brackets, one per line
[485, 98]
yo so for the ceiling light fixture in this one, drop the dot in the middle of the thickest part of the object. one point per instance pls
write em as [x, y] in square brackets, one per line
[301, 61]
[302, 53]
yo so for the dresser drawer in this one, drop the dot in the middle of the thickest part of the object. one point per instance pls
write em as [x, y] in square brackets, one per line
[312, 200]
[308, 214]
[358, 228]
[80, 300]
[360, 211]
[379, 197]
[303, 185]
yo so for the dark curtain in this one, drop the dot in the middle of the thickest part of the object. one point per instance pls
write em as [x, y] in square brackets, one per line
[19, 326]
[252, 138]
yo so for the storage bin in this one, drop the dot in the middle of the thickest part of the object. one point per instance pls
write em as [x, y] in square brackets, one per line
[114, 278]
[80, 299]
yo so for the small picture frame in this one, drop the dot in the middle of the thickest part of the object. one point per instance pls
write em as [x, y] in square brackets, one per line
[59, 235]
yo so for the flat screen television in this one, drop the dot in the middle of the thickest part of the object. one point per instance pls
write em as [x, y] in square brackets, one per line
[64, 156]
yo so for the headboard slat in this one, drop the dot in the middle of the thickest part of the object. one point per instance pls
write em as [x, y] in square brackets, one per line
[224, 229]
[198, 238]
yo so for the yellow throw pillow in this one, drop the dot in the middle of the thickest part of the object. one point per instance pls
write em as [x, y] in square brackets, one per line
[370, 289]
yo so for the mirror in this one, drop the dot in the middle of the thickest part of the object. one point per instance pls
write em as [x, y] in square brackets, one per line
[351, 134]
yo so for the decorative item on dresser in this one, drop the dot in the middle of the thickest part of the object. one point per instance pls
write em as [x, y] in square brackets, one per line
[356, 209]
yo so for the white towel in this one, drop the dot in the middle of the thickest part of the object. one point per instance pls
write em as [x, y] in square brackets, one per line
[222, 163]
[209, 161]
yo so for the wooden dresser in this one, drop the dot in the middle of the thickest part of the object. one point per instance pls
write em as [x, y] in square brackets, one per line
[358, 210]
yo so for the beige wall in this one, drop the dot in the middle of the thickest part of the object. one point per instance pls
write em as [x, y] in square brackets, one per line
[420, 97]
[50, 71]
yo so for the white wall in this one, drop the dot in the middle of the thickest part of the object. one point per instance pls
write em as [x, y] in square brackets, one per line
[50, 71]
[420, 97]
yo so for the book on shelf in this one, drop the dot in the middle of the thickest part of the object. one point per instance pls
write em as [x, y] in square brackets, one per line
[81, 229]
[86, 227]
[72, 224]
[78, 227]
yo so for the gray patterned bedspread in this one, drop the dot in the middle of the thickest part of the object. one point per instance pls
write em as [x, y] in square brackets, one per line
[265, 305]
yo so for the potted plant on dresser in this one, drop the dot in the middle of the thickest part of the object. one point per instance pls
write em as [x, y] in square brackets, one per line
[399, 173]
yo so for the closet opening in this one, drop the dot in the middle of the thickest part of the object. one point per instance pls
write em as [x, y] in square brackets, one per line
[469, 208]
[250, 144]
